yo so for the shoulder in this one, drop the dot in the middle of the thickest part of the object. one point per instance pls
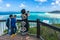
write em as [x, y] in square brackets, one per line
[24, 14]
[14, 19]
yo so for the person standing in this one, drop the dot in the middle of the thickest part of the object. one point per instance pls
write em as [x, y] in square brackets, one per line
[24, 23]
[8, 24]
[15, 28]
[13, 24]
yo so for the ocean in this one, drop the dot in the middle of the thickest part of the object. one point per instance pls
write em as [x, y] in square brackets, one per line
[49, 18]
[44, 17]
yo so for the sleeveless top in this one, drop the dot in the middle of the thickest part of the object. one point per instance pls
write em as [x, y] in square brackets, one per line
[24, 16]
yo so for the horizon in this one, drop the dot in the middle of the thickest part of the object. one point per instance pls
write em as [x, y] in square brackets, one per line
[31, 11]
[31, 5]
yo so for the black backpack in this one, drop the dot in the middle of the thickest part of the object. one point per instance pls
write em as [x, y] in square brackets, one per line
[7, 22]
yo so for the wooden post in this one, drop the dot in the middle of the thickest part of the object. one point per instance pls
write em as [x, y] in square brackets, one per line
[38, 28]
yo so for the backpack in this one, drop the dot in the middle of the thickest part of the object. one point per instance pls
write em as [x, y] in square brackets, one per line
[8, 22]
[8, 26]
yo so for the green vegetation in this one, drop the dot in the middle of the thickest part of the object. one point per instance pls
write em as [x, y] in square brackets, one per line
[47, 33]
[58, 25]
[5, 31]
[32, 30]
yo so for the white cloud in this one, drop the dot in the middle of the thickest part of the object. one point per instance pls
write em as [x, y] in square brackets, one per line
[22, 5]
[56, 2]
[41, 0]
[8, 5]
[0, 1]
[52, 3]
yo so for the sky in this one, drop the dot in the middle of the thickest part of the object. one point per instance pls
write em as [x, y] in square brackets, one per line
[31, 5]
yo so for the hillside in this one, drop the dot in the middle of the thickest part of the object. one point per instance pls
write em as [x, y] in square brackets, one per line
[55, 12]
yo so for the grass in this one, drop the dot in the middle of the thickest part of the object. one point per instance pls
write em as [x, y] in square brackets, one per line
[47, 33]
[32, 30]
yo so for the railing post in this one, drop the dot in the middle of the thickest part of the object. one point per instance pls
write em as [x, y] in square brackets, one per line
[38, 28]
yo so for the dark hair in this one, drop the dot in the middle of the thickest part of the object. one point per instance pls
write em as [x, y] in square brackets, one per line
[14, 15]
[11, 16]
[23, 11]
[27, 11]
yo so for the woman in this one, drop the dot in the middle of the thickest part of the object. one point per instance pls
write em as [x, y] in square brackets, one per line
[25, 25]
